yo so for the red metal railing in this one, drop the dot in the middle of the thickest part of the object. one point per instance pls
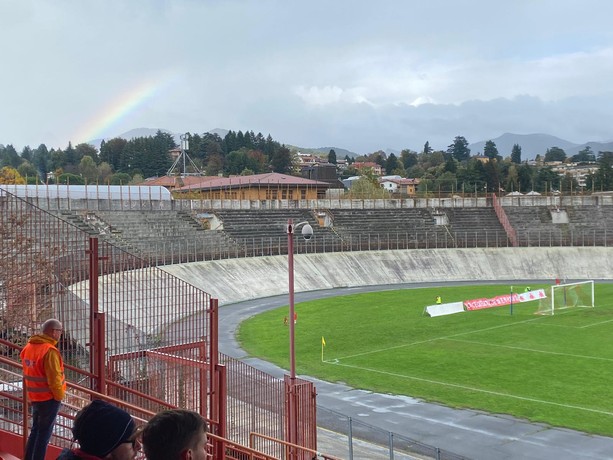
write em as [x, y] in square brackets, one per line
[504, 221]
[130, 328]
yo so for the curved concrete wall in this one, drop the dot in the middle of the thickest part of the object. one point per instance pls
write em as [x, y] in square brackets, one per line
[235, 280]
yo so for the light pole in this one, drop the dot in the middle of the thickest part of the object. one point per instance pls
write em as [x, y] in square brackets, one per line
[307, 234]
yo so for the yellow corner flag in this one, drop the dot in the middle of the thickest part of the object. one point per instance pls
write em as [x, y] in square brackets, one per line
[323, 344]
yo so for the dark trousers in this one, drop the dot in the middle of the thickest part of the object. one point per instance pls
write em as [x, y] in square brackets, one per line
[43, 418]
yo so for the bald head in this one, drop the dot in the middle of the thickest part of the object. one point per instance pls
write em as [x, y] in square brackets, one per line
[50, 326]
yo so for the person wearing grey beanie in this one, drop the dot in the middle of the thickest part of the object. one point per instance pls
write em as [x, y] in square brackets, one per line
[104, 432]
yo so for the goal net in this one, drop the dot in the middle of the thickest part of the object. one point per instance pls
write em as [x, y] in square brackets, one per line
[569, 295]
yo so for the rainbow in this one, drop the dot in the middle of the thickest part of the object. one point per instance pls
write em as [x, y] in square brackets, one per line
[119, 108]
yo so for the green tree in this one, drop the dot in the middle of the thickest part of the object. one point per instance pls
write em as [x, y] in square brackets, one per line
[41, 161]
[83, 150]
[120, 179]
[409, 158]
[27, 170]
[367, 187]
[332, 156]
[9, 157]
[214, 164]
[492, 174]
[282, 161]
[546, 179]
[490, 150]
[511, 183]
[70, 179]
[525, 178]
[516, 154]
[112, 151]
[427, 148]
[459, 149]
[104, 173]
[27, 154]
[555, 154]
[472, 176]
[584, 156]
[568, 184]
[391, 164]
[88, 169]
[58, 159]
[603, 179]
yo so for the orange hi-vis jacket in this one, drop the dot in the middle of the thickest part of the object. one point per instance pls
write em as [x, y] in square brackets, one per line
[43, 369]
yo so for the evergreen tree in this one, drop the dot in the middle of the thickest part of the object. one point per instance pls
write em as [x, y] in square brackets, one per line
[27, 154]
[459, 149]
[41, 161]
[9, 157]
[516, 154]
[603, 180]
[112, 152]
[490, 150]
[584, 156]
[427, 148]
[332, 156]
[525, 178]
[281, 161]
[391, 164]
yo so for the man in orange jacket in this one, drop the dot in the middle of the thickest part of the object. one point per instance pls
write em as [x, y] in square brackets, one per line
[45, 385]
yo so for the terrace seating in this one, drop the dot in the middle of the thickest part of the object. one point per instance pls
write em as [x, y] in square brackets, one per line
[264, 232]
[163, 236]
[587, 225]
[408, 228]
[476, 227]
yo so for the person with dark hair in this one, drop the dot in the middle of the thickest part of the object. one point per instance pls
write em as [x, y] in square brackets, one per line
[104, 432]
[45, 385]
[175, 435]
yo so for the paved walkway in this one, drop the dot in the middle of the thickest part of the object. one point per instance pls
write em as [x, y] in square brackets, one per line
[469, 433]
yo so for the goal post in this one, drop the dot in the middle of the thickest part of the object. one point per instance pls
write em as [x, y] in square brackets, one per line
[568, 295]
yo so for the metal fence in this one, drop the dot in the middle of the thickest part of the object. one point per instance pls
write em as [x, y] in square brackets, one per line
[175, 252]
[353, 438]
[131, 330]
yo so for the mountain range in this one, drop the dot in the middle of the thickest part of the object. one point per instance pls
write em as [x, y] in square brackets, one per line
[531, 144]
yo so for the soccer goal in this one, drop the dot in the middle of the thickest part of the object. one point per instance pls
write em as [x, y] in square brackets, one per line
[569, 295]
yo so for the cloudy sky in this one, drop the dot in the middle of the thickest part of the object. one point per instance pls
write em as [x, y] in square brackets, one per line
[360, 75]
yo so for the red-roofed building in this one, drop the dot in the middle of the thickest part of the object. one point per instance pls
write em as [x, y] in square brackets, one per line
[362, 165]
[400, 185]
[269, 186]
[174, 182]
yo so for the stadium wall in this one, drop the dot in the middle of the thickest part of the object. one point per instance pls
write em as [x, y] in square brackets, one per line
[236, 280]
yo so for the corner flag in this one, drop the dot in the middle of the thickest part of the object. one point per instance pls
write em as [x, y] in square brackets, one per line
[323, 344]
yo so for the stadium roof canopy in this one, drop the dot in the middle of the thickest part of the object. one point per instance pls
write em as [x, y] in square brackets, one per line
[90, 192]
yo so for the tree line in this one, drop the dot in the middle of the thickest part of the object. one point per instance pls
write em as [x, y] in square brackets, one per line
[456, 170]
[121, 161]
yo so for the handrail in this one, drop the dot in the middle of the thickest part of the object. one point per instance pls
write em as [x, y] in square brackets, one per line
[504, 220]
[76, 401]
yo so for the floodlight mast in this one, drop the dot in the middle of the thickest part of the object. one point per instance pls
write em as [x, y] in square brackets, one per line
[307, 233]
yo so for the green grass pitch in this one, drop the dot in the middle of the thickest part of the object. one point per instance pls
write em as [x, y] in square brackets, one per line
[552, 369]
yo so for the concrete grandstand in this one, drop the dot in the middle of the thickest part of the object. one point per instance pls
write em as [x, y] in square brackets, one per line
[226, 251]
